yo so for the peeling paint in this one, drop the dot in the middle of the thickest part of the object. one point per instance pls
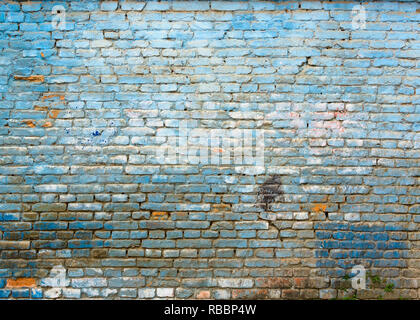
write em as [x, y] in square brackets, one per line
[29, 123]
[35, 78]
[50, 96]
[219, 150]
[47, 124]
[39, 108]
[319, 207]
[53, 114]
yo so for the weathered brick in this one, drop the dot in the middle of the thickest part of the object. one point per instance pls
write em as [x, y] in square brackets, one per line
[123, 140]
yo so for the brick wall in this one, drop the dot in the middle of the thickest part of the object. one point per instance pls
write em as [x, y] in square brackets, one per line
[99, 104]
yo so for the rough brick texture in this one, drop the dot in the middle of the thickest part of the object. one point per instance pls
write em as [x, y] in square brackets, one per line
[88, 211]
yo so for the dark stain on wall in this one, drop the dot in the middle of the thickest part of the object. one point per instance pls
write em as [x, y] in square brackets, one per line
[269, 192]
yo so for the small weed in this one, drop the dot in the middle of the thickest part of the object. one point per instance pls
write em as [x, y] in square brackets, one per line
[389, 287]
[352, 297]
[375, 279]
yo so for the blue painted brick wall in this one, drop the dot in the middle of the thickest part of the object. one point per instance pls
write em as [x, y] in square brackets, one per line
[91, 90]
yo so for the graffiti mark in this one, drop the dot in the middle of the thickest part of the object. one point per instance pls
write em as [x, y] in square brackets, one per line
[344, 245]
[97, 137]
[269, 192]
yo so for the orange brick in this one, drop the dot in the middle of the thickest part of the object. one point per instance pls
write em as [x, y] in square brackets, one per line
[30, 78]
[39, 108]
[21, 282]
[49, 96]
[273, 282]
[319, 207]
[203, 295]
[220, 207]
[157, 215]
